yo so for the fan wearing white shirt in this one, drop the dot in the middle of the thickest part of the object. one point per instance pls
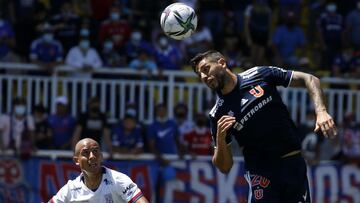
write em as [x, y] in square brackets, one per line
[96, 183]
[83, 57]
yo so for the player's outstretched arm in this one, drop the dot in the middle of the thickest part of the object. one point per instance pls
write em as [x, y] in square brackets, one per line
[222, 158]
[142, 200]
[324, 121]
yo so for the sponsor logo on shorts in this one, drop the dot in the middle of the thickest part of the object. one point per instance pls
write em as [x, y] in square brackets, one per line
[261, 181]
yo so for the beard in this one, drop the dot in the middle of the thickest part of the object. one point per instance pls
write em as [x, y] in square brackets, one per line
[220, 79]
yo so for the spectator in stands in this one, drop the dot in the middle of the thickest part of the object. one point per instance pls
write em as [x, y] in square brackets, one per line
[110, 57]
[61, 125]
[338, 66]
[330, 32]
[288, 39]
[355, 66]
[184, 124]
[17, 129]
[83, 57]
[93, 124]
[144, 62]
[198, 141]
[126, 135]
[353, 27]
[167, 54]
[258, 18]
[163, 135]
[66, 25]
[46, 51]
[350, 140]
[134, 46]
[42, 136]
[213, 17]
[7, 41]
[116, 28]
[200, 41]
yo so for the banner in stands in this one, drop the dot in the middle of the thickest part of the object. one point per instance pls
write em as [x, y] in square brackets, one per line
[37, 179]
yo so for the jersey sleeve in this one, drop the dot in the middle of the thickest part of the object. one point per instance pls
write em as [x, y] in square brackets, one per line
[128, 190]
[213, 127]
[277, 76]
[61, 196]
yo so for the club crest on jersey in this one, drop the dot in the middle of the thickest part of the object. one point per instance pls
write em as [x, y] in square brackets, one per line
[258, 194]
[257, 91]
[230, 113]
[108, 198]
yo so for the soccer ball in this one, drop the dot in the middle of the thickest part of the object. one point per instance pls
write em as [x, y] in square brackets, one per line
[178, 21]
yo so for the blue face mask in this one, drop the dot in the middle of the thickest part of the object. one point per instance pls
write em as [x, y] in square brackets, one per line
[108, 45]
[331, 8]
[84, 44]
[115, 16]
[48, 37]
[84, 32]
[19, 109]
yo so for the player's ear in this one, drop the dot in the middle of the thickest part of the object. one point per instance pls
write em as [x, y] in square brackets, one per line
[76, 160]
[222, 62]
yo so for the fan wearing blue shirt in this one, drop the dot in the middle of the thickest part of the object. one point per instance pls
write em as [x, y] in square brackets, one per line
[61, 125]
[127, 135]
[163, 134]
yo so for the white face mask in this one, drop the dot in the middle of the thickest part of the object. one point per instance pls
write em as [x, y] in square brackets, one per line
[331, 8]
[48, 37]
[115, 16]
[20, 110]
[84, 44]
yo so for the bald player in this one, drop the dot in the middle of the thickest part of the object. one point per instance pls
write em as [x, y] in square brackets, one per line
[96, 183]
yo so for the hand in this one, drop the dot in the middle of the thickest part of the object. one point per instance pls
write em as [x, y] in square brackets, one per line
[326, 124]
[223, 124]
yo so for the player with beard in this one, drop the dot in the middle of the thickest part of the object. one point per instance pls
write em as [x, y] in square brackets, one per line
[96, 183]
[250, 109]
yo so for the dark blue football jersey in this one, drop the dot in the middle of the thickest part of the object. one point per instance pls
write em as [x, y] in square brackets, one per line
[263, 124]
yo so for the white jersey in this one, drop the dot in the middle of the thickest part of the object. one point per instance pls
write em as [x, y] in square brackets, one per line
[115, 187]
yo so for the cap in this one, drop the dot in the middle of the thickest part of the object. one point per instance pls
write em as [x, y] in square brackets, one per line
[61, 100]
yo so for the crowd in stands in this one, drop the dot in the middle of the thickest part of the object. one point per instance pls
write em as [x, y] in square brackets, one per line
[320, 35]
[312, 35]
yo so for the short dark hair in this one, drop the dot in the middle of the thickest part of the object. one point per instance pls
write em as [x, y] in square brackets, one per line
[213, 55]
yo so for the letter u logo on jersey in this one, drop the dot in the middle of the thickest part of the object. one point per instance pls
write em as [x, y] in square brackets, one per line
[257, 91]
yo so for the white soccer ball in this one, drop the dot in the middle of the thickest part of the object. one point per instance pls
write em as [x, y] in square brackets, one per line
[178, 21]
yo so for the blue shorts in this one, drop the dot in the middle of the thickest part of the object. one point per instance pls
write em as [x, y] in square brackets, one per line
[285, 181]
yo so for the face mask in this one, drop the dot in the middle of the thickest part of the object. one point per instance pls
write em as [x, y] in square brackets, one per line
[163, 42]
[84, 32]
[48, 37]
[115, 16]
[84, 44]
[161, 119]
[108, 45]
[136, 37]
[200, 130]
[331, 8]
[2, 22]
[20, 109]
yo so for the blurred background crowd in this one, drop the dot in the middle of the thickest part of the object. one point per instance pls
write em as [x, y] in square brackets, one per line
[318, 36]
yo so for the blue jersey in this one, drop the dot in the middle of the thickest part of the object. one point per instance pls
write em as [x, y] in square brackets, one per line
[263, 125]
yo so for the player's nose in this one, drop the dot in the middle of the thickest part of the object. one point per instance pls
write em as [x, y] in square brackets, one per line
[203, 77]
